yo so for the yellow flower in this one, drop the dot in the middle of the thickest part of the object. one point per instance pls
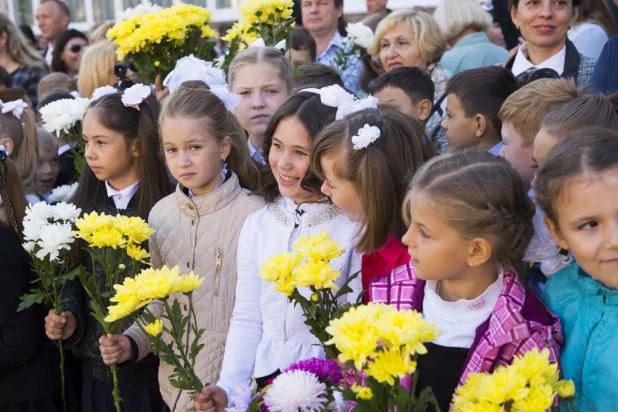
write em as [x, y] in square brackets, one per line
[356, 334]
[209, 33]
[90, 223]
[314, 297]
[157, 284]
[565, 389]
[535, 366]
[119, 311]
[157, 63]
[503, 385]
[478, 407]
[362, 392]
[188, 283]
[319, 274]
[390, 364]
[318, 247]
[107, 237]
[406, 328]
[137, 253]
[278, 270]
[134, 228]
[539, 398]
[155, 328]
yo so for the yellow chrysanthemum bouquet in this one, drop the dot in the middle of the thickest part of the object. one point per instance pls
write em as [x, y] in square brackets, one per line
[307, 278]
[155, 39]
[379, 345]
[114, 246]
[531, 383]
[270, 20]
[166, 338]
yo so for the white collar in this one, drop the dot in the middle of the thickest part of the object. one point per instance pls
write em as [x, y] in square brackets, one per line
[65, 148]
[122, 197]
[521, 63]
[221, 182]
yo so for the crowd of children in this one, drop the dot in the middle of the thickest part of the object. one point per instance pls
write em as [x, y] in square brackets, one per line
[508, 243]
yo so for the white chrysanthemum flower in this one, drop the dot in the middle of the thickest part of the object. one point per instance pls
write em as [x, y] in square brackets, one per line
[61, 115]
[138, 10]
[32, 229]
[62, 193]
[29, 246]
[135, 95]
[66, 212]
[241, 397]
[296, 391]
[339, 404]
[53, 239]
[360, 34]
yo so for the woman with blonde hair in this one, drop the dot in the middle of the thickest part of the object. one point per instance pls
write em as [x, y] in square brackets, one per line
[464, 23]
[413, 39]
[23, 63]
[594, 26]
[97, 68]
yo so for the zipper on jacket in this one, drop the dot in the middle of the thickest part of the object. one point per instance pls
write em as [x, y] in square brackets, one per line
[217, 270]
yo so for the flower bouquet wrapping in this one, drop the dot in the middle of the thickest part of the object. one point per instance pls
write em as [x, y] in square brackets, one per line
[531, 383]
[379, 346]
[48, 232]
[154, 38]
[359, 38]
[166, 338]
[114, 247]
[309, 267]
[269, 20]
[64, 117]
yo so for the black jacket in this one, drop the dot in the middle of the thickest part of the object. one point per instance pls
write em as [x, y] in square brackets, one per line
[29, 363]
[85, 341]
[67, 173]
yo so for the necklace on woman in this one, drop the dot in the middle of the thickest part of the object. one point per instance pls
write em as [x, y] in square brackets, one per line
[439, 289]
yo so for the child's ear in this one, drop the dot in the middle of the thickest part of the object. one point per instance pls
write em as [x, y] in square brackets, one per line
[134, 148]
[480, 126]
[226, 147]
[479, 251]
[555, 232]
[424, 109]
[8, 145]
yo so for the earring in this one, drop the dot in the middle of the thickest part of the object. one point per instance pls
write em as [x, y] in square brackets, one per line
[517, 26]
[470, 264]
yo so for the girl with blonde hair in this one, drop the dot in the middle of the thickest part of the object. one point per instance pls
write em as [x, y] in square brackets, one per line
[97, 68]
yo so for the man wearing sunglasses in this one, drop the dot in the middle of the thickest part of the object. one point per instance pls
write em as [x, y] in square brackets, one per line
[52, 17]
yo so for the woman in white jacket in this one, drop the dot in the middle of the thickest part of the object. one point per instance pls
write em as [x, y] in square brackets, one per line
[267, 332]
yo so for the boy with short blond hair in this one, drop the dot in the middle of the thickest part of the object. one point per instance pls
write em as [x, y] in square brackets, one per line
[522, 114]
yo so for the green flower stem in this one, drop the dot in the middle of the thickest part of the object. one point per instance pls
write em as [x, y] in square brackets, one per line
[116, 391]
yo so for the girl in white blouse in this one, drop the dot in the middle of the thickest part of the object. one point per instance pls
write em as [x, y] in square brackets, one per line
[267, 332]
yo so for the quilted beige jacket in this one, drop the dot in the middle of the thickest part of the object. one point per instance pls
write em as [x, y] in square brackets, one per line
[200, 235]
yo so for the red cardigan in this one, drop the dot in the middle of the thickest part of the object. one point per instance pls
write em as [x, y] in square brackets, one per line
[380, 263]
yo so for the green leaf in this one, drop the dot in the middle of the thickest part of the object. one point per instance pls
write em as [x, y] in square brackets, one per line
[35, 297]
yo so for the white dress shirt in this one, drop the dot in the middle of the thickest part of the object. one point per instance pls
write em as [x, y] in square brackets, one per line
[49, 55]
[122, 197]
[521, 63]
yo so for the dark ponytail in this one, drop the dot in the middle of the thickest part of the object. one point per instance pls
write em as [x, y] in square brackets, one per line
[12, 195]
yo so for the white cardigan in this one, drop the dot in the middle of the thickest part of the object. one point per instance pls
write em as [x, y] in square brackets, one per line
[267, 333]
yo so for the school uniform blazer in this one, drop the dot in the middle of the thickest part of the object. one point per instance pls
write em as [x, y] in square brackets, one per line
[199, 234]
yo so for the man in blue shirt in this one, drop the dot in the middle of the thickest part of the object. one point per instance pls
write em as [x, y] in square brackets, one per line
[321, 18]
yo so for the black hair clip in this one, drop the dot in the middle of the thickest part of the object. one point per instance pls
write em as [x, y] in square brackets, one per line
[3, 153]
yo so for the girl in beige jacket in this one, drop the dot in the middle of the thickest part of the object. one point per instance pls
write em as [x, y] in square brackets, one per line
[197, 228]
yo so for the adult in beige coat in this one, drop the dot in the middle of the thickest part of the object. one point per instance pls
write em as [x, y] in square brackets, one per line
[199, 234]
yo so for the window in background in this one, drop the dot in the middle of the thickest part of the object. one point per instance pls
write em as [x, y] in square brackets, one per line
[130, 3]
[78, 11]
[201, 3]
[103, 10]
[225, 4]
[163, 3]
[23, 12]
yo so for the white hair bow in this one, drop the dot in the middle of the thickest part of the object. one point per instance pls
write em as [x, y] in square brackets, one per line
[135, 95]
[191, 68]
[229, 99]
[365, 136]
[259, 43]
[16, 107]
[346, 103]
[103, 91]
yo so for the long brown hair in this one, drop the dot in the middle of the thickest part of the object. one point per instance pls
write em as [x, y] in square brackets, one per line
[12, 196]
[597, 12]
[381, 172]
[479, 195]
[17, 46]
[25, 152]
[195, 101]
[151, 172]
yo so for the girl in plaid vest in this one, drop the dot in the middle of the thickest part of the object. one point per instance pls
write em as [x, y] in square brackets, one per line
[470, 221]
